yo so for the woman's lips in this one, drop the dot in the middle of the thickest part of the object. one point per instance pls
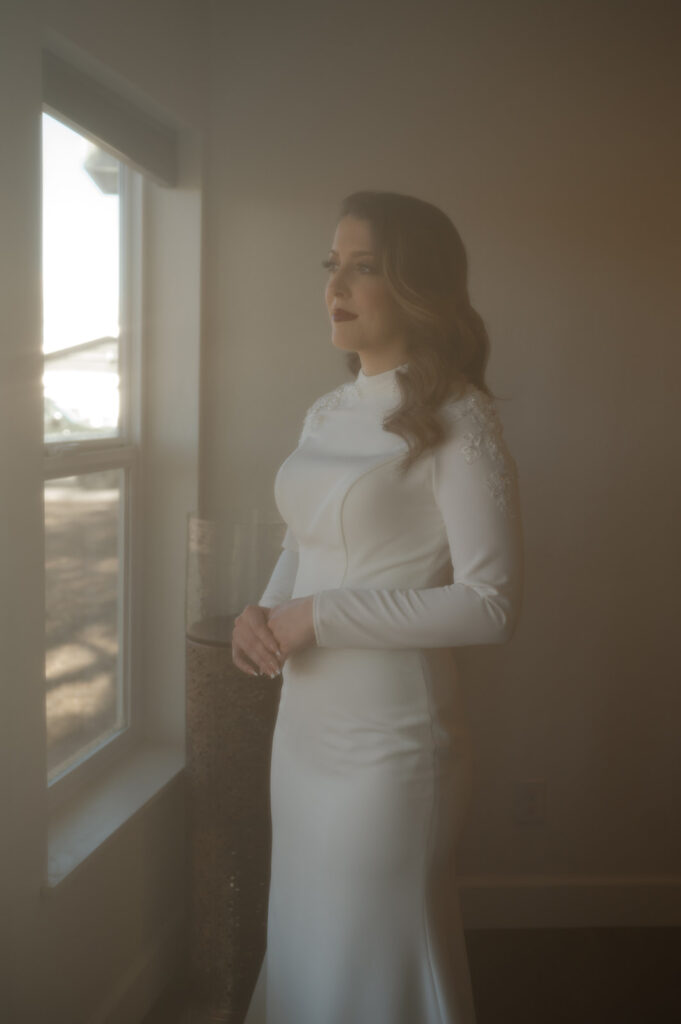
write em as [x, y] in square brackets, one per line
[340, 314]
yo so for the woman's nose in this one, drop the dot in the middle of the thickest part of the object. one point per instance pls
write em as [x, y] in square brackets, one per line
[338, 284]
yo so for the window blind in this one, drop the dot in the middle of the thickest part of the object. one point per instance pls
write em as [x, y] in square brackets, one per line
[110, 120]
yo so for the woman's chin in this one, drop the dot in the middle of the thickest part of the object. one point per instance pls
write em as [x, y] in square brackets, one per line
[345, 344]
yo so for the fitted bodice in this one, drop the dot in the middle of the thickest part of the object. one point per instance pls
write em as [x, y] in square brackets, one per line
[430, 558]
[357, 522]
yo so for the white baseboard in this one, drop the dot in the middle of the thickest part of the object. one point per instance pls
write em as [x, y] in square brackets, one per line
[570, 901]
[138, 989]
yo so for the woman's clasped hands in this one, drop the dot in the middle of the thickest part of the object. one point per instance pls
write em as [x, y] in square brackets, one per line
[263, 638]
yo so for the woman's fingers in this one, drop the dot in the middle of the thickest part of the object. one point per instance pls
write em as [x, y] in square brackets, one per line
[249, 663]
[253, 635]
[241, 663]
[249, 651]
[257, 656]
[267, 642]
[252, 640]
[264, 633]
[262, 657]
[258, 652]
[254, 618]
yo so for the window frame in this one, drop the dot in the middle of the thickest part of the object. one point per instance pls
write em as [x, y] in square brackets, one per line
[124, 451]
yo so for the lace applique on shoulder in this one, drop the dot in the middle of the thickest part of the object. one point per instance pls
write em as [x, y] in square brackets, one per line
[344, 395]
[485, 435]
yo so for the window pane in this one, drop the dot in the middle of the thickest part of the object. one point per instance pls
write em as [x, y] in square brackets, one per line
[83, 644]
[81, 292]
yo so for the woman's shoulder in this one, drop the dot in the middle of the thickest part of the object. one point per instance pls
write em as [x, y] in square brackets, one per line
[473, 424]
[344, 394]
[475, 432]
[330, 399]
[470, 403]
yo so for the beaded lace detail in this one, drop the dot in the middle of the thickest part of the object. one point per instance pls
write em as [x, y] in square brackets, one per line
[344, 395]
[485, 436]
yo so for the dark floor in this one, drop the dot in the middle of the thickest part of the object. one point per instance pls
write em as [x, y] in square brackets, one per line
[561, 976]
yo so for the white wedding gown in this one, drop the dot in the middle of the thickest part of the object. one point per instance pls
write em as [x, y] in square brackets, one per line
[370, 767]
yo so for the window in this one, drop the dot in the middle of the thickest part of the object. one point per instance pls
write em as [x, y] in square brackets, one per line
[114, 510]
[91, 229]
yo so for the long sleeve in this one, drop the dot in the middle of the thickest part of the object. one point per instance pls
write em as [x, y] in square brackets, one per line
[282, 579]
[476, 488]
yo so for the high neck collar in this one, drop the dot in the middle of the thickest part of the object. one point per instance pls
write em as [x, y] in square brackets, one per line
[377, 383]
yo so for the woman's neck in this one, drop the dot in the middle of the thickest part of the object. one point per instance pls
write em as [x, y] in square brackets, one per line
[379, 362]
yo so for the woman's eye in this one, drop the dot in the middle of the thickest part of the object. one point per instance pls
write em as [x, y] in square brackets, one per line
[364, 268]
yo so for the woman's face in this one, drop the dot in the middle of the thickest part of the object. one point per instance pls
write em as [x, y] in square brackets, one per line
[357, 286]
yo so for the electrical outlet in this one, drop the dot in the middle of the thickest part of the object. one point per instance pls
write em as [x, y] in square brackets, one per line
[529, 802]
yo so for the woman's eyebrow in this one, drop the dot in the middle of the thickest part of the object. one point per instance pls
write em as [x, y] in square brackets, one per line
[357, 252]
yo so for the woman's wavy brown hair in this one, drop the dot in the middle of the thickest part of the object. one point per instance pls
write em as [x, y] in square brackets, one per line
[424, 262]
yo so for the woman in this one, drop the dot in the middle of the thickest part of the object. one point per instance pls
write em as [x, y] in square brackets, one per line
[404, 540]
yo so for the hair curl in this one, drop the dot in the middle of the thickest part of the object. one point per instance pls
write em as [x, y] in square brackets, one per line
[424, 262]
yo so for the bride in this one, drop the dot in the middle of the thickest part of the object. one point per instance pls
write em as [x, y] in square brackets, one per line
[403, 542]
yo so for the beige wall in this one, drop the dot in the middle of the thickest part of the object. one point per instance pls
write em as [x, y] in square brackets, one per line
[154, 49]
[548, 133]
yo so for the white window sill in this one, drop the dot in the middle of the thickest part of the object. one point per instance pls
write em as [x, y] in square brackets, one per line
[83, 824]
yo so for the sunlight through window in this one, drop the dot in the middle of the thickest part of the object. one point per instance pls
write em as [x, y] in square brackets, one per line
[81, 290]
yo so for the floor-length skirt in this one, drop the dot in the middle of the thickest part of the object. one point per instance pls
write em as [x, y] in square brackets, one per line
[370, 783]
